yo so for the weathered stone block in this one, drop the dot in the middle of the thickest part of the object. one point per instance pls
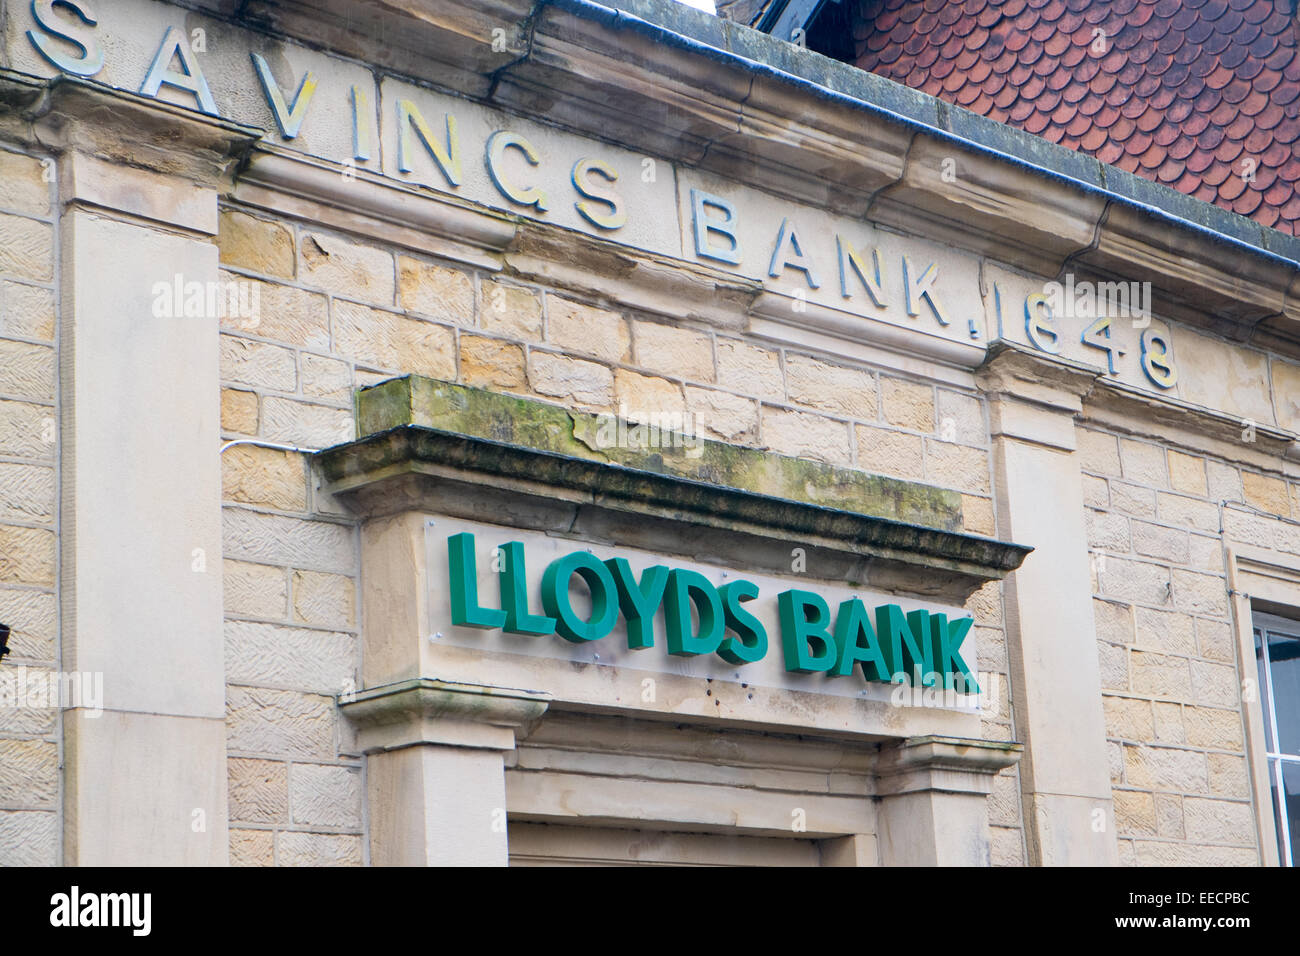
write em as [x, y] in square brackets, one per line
[1098, 452]
[325, 378]
[1218, 821]
[1215, 640]
[258, 245]
[491, 363]
[257, 364]
[26, 311]
[831, 388]
[1215, 684]
[1114, 622]
[325, 796]
[1143, 463]
[283, 313]
[1113, 660]
[279, 723]
[326, 600]
[258, 790]
[1198, 593]
[29, 774]
[435, 290]
[1187, 474]
[30, 837]
[295, 542]
[1096, 493]
[1166, 631]
[1107, 532]
[583, 383]
[317, 849]
[1169, 723]
[1161, 675]
[255, 590]
[264, 476]
[239, 413]
[26, 556]
[26, 492]
[26, 248]
[682, 353]
[25, 184]
[1157, 541]
[27, 370]
[1266, 493]
[347, 269]
[646, 395]
[1224, 481]
[1128, 718]
[957, 466]
[1229, 776]
[1213, 729]
[1135, 813]
[1135, 581]
[977, 515]
[1132, 500]
[803, 435]
[1166, 768]
[586, 330]
[511, 310]
[886, 452]
[722, 415]
[271, 655]
[907, 404]
[1169, 816]
[750, 370]
[252, 847]
[387, 340]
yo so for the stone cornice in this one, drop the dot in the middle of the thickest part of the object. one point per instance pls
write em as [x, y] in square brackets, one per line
[68, 113]
[1018, 374]
[451, 439]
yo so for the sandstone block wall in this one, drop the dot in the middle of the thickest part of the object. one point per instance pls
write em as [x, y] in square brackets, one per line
[1159, 518]
[29, 735]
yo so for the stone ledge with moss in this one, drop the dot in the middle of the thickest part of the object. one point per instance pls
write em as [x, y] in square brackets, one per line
[436, 446]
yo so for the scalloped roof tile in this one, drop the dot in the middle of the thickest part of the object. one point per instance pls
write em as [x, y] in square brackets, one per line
[1202, 95]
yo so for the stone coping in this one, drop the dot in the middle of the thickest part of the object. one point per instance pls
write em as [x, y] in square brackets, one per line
[678, 24]
[411, 424]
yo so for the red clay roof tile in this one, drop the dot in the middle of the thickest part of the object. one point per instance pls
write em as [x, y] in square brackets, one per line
[1185, 92]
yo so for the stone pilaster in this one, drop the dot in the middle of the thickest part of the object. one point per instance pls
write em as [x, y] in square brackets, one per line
[139, 390]
[1051, 636]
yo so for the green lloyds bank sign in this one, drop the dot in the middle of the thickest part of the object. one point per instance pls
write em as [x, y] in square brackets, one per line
[701, 618]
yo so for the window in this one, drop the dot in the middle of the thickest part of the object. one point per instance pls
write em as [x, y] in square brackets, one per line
[1277, 657]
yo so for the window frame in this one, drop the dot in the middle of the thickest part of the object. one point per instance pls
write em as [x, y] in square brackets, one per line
[1264, 623]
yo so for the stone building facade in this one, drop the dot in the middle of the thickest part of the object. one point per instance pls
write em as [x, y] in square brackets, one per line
[291, 294]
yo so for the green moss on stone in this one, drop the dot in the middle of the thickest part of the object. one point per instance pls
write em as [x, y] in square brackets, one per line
[526, 423]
